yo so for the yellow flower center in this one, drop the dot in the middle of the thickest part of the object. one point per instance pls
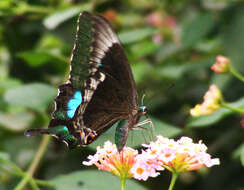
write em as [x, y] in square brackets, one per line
[167, 155]
[139, 171]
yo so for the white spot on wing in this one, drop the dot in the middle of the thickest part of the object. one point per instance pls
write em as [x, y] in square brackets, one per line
[92, 71]
[102, 77]
[88, 95]
[95, 59]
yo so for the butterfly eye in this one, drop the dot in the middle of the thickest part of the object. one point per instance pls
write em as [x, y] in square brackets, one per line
[143, 110]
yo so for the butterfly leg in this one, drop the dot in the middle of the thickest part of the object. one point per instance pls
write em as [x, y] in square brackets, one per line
[147, 121]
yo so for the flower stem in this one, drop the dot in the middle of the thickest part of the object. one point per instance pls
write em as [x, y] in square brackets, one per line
[238, 110]
[20, 173]
[236, 74]
[33, 184]
[44, 183]
[40, 152]
[122, 182]
[173, 180]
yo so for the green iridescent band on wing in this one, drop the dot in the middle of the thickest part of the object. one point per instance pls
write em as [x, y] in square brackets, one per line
[81, 52]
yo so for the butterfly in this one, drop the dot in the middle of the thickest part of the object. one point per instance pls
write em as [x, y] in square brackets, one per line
[100, 90]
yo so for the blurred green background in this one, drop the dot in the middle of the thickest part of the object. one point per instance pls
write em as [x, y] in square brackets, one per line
[170, 45]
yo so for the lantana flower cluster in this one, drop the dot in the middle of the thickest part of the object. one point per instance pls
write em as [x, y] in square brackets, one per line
[176, 156]
[111, 160]
[211, 102]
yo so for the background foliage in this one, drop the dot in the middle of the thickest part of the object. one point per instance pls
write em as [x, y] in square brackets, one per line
[171, 46]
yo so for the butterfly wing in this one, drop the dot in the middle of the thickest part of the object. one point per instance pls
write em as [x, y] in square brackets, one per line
[101, 89]
[110, 90]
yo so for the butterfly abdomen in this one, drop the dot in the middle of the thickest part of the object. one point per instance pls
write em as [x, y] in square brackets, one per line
[121, 134]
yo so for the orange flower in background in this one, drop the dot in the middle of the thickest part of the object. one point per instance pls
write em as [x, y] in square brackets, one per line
[211, 102]
[110, 14]
[222, 64]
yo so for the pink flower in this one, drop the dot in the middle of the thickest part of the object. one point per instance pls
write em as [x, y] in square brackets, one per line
[157, 38]
[143, 170]
[211, 103]
[125, 164]
[222, 64]
[161, 20]
[155, 19]
[175, 156]
[111, 160]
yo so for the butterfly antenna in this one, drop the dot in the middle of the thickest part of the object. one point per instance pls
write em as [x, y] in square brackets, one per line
[142, 99]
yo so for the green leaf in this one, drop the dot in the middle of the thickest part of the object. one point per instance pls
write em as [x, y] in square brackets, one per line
[242, 155]
[129, 19]
[91, 180]
[4, 156]
[35, 96]
[37, 58]
[168, 50]
[4, 60]
[232, 38]
[57, 18]
[164, 129]
[17, 121]
[143, 49]
[140, 70]
[9, 83]
[239, 152]
[207, 121]
[175, 71]
[136, 35]
[21, 149]
[172, 71]
[198, 28]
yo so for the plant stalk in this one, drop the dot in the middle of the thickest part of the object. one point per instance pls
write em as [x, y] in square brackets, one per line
[122, 182]
[237, 110]
[30, 172]
[236, 74]
[173, 180]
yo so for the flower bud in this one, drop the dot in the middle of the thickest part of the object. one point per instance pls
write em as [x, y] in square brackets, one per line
[222, 64]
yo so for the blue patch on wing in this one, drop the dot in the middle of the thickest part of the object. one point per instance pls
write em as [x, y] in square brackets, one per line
[74, 103]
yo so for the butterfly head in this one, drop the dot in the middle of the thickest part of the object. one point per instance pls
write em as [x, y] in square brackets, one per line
[143, 110]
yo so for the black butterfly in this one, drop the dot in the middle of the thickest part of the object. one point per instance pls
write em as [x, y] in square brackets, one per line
[100, 91]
